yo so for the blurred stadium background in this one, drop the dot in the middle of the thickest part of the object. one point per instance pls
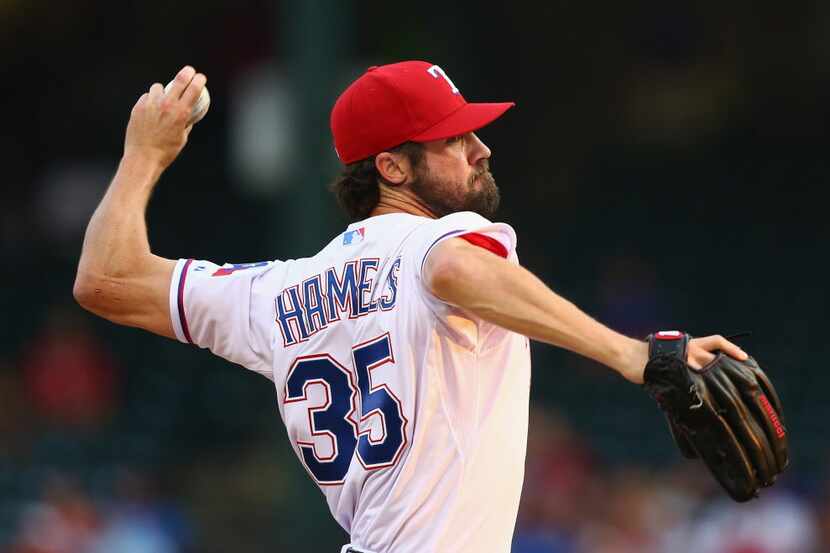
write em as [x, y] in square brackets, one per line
[664, 168]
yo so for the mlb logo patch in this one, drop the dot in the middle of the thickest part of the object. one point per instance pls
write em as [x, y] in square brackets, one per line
[354, 236]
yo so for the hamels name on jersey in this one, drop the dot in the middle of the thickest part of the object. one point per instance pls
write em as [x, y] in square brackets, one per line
[310, 307]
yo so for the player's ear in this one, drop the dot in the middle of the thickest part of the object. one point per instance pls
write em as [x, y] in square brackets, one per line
[392, 167]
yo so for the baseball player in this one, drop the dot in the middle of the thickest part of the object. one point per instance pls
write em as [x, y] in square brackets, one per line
[399, 352]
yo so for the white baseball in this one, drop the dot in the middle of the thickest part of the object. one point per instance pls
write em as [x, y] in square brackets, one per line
[201, 106]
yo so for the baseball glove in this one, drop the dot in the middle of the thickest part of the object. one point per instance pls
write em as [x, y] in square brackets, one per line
[727, 414]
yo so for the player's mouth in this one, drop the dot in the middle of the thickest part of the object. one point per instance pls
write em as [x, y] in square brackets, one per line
[481, 177]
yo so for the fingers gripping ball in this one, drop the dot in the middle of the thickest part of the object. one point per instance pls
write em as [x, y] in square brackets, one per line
[727, 414]
[201, 106]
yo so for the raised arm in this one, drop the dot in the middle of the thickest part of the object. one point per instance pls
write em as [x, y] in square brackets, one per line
[119, 278]
[512, 297]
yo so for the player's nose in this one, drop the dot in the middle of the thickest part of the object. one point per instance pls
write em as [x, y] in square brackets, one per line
[478, 149]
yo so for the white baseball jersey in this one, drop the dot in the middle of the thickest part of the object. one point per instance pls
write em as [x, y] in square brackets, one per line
[410, 414]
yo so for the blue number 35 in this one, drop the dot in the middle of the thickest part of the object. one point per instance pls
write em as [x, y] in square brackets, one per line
[336, 417]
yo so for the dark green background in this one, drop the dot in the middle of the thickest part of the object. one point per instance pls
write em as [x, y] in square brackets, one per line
[665, 167]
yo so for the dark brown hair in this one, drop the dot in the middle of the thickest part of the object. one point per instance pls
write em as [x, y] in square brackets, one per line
[357, 187]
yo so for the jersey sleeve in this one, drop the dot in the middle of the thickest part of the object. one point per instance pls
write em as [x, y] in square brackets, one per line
[214, 307]
[499, 238]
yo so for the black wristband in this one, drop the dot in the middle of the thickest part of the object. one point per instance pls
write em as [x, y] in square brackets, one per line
[671, 343]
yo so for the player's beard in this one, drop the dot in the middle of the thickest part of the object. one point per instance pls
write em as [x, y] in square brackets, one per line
[443, 196]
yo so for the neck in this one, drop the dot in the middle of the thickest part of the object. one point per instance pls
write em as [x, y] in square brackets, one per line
[400, 201]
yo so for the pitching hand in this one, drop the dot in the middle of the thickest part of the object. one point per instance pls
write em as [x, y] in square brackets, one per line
[158, 127]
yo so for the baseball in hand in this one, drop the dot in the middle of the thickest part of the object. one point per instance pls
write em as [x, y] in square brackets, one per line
[201, 107]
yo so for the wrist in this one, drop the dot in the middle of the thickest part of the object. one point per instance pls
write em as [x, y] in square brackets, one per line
[141, 164]
[633, 360]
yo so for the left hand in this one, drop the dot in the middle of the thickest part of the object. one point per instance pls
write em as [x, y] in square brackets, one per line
[699, 354]
[700, 350]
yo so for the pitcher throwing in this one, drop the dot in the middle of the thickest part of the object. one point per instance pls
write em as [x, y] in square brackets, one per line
[400, 351]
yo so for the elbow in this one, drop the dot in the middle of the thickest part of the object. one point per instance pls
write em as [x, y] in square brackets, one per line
[83, 290]
[87, 291]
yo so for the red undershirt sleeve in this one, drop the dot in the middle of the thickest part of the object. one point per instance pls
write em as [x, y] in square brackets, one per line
[488, 243]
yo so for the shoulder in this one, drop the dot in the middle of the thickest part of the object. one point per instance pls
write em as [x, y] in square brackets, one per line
[462, 223]
[460, 219]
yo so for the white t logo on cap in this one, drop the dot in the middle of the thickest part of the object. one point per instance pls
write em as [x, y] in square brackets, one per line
[436, 71]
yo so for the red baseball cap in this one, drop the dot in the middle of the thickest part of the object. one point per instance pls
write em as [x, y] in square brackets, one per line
[400, 102]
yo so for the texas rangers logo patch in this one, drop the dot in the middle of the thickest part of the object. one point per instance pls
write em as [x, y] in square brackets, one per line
[229, 270]
[354, 236]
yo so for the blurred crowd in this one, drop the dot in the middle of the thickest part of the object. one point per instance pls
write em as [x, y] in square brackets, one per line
[58, 494]
[63, 491]
[575, 503]
[66, 519]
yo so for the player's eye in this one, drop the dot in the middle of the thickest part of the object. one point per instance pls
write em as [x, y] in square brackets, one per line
[454, 139]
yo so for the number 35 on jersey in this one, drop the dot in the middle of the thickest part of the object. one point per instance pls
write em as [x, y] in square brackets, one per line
[348, 415]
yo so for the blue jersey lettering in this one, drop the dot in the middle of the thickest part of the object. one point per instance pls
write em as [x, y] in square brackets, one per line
[303, 310]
